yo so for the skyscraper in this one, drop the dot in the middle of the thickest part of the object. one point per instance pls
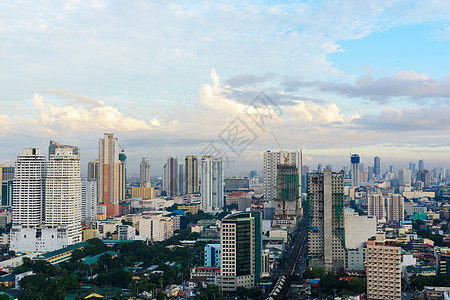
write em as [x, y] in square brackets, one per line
[326, 237]
[55, 145]
[375, 205]
[172, 176]
[421, 165]
[29, 188]
[376, 166]
[212, 184]
[93, 171]
[63, 193]
[89, 198]
[271, 161]
[108, 154]
[145, 172]
[122, 175]
[241, 244]
[180, 179]
[354, 159]
[404, 177]
[423, 177]
[191, 174]
[395, 207]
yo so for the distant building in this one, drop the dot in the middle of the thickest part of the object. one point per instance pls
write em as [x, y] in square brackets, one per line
[144, 168]
[7, 194]
[376, 166]
[191, 174]
[395, 208]
[241, 243]
[143, 192]
[212, 184]
[109, 173]
[326, 235]
[156, 227]
[212, 255]
[126, 232]
[354, 159]
[172, 177]
[234, 184]
[375, 205]
[89, 201]
[423, 178]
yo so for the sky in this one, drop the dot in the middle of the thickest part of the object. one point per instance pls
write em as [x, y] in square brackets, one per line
[196, 77]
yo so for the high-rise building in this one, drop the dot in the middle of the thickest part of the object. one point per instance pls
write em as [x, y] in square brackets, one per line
[145, 172]
[326, 237]
[383, 269]
[271, 161]
[253, 174]
[89, 199]
[412, 167]
[7, 193]
[122, 175]
[191, 174]
[354, 159]
[391, 169]
[212, 184]
[180, 179]
[423, 177]
[421, 165]
[93, 171]
[287, 204]
[55, 145]
[241, 244]
[6, 173]
[164, 177]
[375, 205]
[63, 193]
[29, 188]
[108, 182]
[319, 168]
[395, 210]
[212, 255]
[172, 176]
[404, 177]
[376, 166]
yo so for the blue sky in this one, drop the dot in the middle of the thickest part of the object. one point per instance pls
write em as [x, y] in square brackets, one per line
[168, 78]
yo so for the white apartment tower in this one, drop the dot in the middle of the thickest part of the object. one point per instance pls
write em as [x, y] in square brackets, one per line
[29, 188]
[145, 173]
[375, 205]
[326, 220]
[395, 207]
[212, 184]
[89, 201]
[63, 193]
[271, 161]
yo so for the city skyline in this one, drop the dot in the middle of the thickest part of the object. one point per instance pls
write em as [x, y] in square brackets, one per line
[183, 80]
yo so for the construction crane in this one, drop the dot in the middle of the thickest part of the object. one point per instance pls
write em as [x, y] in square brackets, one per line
[282, 153]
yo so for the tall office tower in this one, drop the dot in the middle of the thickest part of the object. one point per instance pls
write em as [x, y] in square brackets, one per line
[6, 173]
[122, 175]
[421, 165]
[354, 159]
[93, 171]
[180, 179]
[412, 167]
[369, 173]
[424, 176]
[375, 205]
[326, 237]
[241, 243]
[319, 168]
[172, 176]
[164, 177]
[271, 161]
[108, 153]
[404, 177]
[253, 174]
[29, 188]
[145, 172]
[383, 269]
[376, 166]
[191, 174]
[287, 203]
[63, 193]
[55, 145]
[212, 184]
[391, 169]
[395, 207]
[89, 198]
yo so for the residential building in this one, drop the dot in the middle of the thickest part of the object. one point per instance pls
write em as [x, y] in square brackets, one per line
[109, 173]
[326, 236]
[63, 192]
[6, 172]
[354, 159]
[93, 170]
[122, 175]
[404, 177]
[145, 173]
[212, 255]
[126, 232]
[423, 178]
[383, 269]
[271, 161]
[212, 184]
[143, 192]
[7, 193]
[241, 243]
[172, 171]
[395, 207]
[191, 174]
[376, 166]
[156, 227]
[375, 205]
[89, 201]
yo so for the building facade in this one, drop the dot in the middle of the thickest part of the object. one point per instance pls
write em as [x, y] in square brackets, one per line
[89, 200]
[144, 172]
[376, 206]
[354, 160]
[109, 173]
[395, 209]
[191, 174]
[326, 237]
[212, 255]
[212, 184]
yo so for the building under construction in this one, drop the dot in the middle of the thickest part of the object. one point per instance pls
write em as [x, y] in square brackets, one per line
[326, 235]
[287, 203]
